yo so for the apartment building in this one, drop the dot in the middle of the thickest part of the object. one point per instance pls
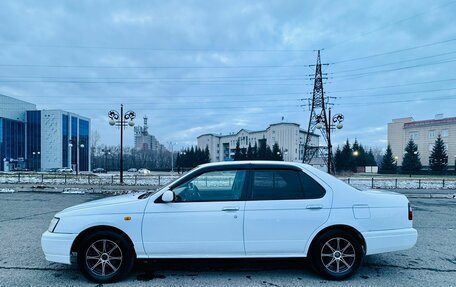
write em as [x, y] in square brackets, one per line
[424, 134]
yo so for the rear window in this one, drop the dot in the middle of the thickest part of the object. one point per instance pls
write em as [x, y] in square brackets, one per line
[310, 187]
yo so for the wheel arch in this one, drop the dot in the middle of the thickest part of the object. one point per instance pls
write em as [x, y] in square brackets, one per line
[86, 232]
[343, 227]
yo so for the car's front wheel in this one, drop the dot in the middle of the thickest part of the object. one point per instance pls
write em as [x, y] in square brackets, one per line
[337, 254]
[105, 256]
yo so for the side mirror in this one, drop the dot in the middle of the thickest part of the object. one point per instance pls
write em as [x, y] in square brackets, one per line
[168, 196]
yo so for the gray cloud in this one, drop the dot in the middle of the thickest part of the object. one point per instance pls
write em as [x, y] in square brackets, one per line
[182, 103]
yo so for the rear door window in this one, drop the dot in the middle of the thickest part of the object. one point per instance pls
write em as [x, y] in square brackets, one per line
[310, 187]
[276, 185]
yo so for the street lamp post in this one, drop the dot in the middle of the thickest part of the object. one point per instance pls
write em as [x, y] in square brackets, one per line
[34, 156]
[171, 144]
[334, 122]
[78, 146]
[122, 121]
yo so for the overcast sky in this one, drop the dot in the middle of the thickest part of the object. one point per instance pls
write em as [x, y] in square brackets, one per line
[197, 67]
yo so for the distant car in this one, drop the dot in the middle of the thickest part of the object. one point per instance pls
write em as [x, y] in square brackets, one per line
[65, 170]
[99, 170]
[20, 169]
[132, 170]
[144, 171]
[53, 169]
[234, 210]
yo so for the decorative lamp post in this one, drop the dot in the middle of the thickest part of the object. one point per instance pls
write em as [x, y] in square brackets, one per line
[333, 123]
[122, 121]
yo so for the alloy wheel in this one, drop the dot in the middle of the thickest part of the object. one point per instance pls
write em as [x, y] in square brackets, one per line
[103, 257]
[338, 255]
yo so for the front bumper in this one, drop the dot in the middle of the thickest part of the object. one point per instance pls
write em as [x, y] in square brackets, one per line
[57, 246]
[389, 240]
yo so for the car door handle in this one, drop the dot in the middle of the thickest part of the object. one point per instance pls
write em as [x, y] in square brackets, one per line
[230, 208]
[314, 206]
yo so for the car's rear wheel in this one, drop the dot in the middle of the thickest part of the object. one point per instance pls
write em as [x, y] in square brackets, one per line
[105, 256]
[337, 254]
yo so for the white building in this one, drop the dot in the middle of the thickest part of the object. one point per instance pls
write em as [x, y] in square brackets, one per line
[424, 134]
[289, 136]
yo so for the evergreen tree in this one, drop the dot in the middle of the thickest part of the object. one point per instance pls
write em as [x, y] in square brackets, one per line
[348, 163]
[268, 153]
[243, 154]
[389, 164]
[276, 153]
[207, 155]
[254, 152]
[338, 162]
[261, 155]
[370, 159]
[237, 153]
[411, 160]
[438, 160]
[355, 156]
[249, 152]
[362, 156]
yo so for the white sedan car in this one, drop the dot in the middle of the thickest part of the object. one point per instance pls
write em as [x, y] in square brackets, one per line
[234, 210]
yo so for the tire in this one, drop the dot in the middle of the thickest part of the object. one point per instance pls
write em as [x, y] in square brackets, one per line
[105, 256]
[336, 254]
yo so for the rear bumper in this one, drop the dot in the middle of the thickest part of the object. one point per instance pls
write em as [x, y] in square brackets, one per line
[389, 240]
[57, 246]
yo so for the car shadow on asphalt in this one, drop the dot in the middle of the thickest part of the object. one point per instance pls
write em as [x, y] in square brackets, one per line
[146, 270]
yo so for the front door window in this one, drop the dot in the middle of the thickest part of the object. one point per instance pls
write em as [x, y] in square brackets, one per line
[223, 185]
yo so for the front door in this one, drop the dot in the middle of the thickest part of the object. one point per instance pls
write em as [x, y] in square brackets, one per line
[204, 220]
[284, 207]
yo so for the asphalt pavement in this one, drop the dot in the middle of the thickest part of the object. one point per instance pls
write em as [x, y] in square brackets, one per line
[25, 215]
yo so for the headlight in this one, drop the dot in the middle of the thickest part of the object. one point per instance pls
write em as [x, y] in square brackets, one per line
[53, 224]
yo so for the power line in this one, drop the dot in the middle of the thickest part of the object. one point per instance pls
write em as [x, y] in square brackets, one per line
[393, 63]
[150, 67]
[352, 76]
[397, 93]
[394, 51]
[393, 86]
[391, 23]
[153, 49]
[174, 103]
[242, 77]
[195, 83]
[452, 97]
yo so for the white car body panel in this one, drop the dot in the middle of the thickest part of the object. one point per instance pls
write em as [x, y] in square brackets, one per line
[196, 229]
[279, 228]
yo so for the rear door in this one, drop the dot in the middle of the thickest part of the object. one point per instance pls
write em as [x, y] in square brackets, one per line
[283, 208]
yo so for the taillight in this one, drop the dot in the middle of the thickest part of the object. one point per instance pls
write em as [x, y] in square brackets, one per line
[410, 212]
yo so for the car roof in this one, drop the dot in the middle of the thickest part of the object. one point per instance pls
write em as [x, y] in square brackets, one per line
[252, 164]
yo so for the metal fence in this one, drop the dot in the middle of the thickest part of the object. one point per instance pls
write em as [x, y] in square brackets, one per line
[160, 180]
[90, 179]
[401, 183]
